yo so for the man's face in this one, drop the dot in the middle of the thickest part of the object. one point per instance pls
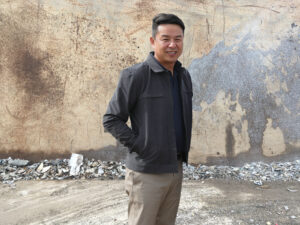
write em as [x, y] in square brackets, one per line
[167, 44]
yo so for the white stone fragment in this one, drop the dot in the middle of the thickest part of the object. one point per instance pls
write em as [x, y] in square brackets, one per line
[75, 163]
[40, 168]
[100, 170]
[45, 169]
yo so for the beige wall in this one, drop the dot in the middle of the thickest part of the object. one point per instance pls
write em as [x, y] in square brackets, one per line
[60, 61]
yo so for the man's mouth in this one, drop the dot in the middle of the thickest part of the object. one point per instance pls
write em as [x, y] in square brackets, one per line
[172, 52]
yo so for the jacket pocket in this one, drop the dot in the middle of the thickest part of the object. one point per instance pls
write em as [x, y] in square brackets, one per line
[152, 95]
[153, 104]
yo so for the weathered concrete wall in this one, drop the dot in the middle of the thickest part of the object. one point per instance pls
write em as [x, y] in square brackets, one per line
[247, 88]
[60, 62]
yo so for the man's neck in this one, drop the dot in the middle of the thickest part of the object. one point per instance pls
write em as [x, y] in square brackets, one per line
[168, 66]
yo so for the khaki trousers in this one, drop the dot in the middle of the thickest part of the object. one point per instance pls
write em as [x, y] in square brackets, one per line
[153, 198]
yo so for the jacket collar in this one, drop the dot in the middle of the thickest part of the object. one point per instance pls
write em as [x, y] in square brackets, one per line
[156, 66]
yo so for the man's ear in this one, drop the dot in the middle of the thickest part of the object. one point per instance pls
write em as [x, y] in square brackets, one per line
[152, 40]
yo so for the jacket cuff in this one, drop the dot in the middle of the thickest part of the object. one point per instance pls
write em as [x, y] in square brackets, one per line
[131, 144]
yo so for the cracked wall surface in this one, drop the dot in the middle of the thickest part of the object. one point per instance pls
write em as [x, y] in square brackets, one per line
[60, 62]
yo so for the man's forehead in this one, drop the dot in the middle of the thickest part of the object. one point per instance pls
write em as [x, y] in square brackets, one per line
[169, 30]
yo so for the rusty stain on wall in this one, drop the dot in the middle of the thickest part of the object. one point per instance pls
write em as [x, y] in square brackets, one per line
[35, 77]
[28, 70]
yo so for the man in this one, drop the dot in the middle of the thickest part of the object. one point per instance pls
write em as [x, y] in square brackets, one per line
[157, 96]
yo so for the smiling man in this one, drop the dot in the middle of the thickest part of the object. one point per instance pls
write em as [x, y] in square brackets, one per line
[157, 97]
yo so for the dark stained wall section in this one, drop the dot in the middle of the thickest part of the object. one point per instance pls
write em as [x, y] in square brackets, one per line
[34, 86]
[30, 66]
[240, 71]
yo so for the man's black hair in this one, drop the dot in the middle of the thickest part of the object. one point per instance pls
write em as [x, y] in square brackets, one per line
[164, 18]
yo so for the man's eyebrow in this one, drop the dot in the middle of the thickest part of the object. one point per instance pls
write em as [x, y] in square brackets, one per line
[165, 35]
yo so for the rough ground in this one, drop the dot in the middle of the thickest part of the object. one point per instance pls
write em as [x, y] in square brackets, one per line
[104, 202]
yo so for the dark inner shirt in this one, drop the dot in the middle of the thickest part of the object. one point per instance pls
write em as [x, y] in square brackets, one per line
[177, 113]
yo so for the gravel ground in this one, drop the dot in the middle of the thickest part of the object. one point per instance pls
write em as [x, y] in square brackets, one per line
[207, 202]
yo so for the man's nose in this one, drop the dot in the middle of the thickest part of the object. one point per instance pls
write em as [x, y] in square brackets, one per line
[172, 44]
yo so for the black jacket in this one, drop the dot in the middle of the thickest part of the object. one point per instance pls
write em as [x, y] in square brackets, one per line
[144, 94]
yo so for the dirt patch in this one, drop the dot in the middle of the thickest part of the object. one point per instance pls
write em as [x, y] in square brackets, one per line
[105, 202]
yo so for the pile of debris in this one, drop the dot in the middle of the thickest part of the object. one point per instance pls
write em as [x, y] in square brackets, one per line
[17, 169]
[257, 172]
[76, 167]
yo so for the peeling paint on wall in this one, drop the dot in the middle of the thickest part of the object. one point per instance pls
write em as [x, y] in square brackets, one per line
[273, 141]
[238, 70]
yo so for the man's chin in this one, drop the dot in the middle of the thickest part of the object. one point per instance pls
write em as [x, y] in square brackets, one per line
[172, 59]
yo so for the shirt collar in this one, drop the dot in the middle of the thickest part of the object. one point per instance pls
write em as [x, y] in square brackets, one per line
[156, 66]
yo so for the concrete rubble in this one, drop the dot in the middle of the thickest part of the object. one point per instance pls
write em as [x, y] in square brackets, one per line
[12, 170]
[256, 172]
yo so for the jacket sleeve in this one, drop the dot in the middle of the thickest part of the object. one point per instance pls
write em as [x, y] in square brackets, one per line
[119, 108]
